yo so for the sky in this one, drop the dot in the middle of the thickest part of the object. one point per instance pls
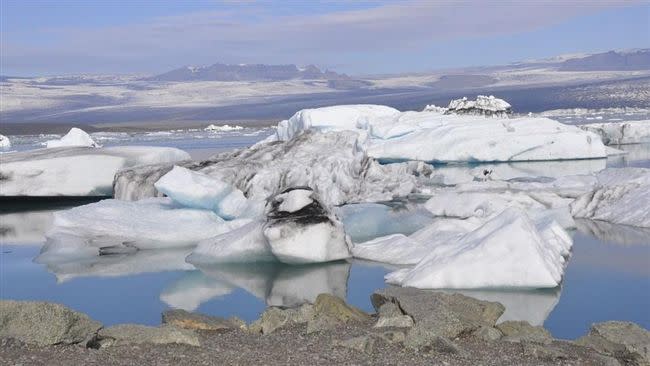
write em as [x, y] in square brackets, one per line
[356, 37]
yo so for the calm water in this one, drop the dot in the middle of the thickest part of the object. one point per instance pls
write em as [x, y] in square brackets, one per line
[608, 276]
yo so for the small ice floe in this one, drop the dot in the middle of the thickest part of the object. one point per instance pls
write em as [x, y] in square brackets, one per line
[483, 106]
[75, 171]
[5, 143]
[223, 128]
[621, 133]
[621, 196]
[75, 137]
[508, 251]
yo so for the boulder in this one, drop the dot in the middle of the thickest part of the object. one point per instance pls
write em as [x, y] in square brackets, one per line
[425, 339]
[274, 318]
[390, 315]
[487, 334]
[517, 331]
[127, 334]
[626, 341]
[45, 323]
[447, 315]
[336, 308]
[184, 319]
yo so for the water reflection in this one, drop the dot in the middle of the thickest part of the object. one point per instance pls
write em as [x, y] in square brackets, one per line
[615, 234]
[26, 227]
[284, 285]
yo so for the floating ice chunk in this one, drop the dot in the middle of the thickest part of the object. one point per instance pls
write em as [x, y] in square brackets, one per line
[309, 235]
[4, 142]
[75, 171]
[621, 133]
[113, 226]
[478, 204]
[506, 252]
[223, 128]
[75, 137]
[245, 244]
[621, 197]
[198, 190]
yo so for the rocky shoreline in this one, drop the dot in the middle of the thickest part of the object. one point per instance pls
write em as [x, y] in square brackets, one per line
[410, 326]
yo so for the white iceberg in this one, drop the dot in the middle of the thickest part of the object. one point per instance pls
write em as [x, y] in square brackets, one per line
[506, 252]
[75, 137]
[621, 133]
[483, 105]
[75, 171]
[622, 196]
[223, 128]
[198, 190]
[387, 134]
[4, 142]
[114, 226]
[309, 234]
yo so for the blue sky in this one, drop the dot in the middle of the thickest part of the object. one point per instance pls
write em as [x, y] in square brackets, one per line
[361, 37]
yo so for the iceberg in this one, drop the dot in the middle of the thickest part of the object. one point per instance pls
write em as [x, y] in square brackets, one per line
[330, 163]
[508, 251]
[483, 106]
[621, 133]
[300, 230]
[223, 128]
[198, 190]
[75, 171]
[75, 137]
[114, 227]
[389, 135]
[4, 142]
[621, 196]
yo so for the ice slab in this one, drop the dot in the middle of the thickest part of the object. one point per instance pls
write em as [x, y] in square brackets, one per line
[75, 137]
[389, 135]
[75, 171]
[198, 190]
[621, 133]
[622, 196]
[506, 252]
[113, 226]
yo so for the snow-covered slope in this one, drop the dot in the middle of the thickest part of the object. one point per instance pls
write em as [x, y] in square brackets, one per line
[75, 171]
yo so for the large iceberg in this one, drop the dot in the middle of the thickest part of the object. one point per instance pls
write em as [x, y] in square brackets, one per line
[246, 244]
[332, 164]
[388, 134]
[621, 196]
[483, 106]
[75, 171]
[621, 133]
[508, 251]
[75, 137]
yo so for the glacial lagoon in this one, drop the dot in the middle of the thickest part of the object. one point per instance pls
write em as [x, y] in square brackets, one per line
[608, 275]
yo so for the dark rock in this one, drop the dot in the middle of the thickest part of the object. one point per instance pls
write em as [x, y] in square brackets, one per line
[449, 315]
[45, 323]
[183, 319]
[336, 308]
[626, 341]
[274, 318]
